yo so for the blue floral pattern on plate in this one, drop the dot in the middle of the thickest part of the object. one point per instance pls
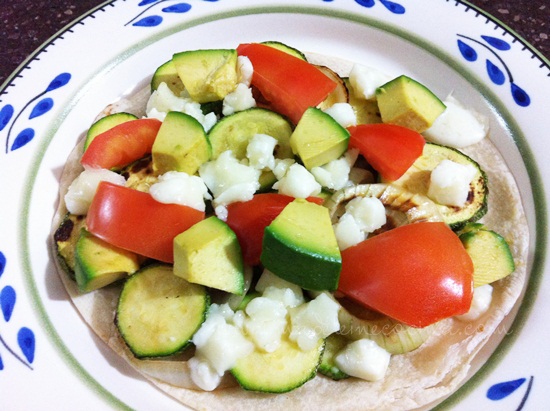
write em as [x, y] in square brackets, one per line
[504, 389]
[153, 20]
[499, 72]
[25, 336]
[40, 108]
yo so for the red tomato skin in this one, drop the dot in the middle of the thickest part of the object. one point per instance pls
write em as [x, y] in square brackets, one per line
[249, 219]
[417, 274]
[122, 144]
[388, 148]
[291, 85]
[135, 221]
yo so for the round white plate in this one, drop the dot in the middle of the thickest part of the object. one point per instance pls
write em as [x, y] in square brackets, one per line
[49, 359]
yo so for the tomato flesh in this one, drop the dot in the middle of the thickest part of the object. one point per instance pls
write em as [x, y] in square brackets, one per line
[135, 221]
[249, 219]
[122, 144]
[289, 84]
[388, 148]
[417, 274]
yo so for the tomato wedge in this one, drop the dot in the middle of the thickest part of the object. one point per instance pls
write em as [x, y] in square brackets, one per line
[388, 148]
[249, 219]
[135, 221]
[417, 274]
[289, 84]
[122, 144]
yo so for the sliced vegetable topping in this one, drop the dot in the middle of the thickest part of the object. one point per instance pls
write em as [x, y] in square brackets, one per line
[388, 148]
[289, 84]
[133, 220]
[249, 219]
[122, 144]
[417, 273]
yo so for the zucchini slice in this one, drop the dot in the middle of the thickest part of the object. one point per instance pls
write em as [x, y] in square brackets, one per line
[234, 132]
[417, 180]
[490, 254]
[286, 48]
[106, 123]
[283, 370]
[334, 343]
[158, 312]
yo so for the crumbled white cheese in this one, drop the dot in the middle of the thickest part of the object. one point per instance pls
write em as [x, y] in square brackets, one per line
[365, 80]
[363, 215]
[347, 232]
[298, 183]
[180, 188]
[363, 359]
[81, 192]
[260, 151]
[282, 166]
[458, 126]
[229, 180]
[274, 287]
[343, 113]
[203, 374]
[313, 321]
[221, 212]
[244, 70]
[220, 343]
[368, 212]
[238, 100]
[163, 100]
[450, 183]
[335, 174]
[481, 302]
[265, 322]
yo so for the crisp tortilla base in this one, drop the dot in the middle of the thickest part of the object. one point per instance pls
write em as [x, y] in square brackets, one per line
[413, 380]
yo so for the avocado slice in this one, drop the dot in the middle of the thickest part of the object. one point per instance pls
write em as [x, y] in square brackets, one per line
[209, 253]
[318, 138]
[98, 263]
[208, 75]
[405, 102]
[181, 145]
[300, 246]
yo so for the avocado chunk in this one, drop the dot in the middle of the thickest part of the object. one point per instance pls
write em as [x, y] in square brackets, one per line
[405, 102]
[66, 236]
[158, 313]
[318, 138]
[106, 123]
[208, 75]
[181, 145]
[167, 73]
[490, 254]
[98, 263]
[300, 246]
[209, 253]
